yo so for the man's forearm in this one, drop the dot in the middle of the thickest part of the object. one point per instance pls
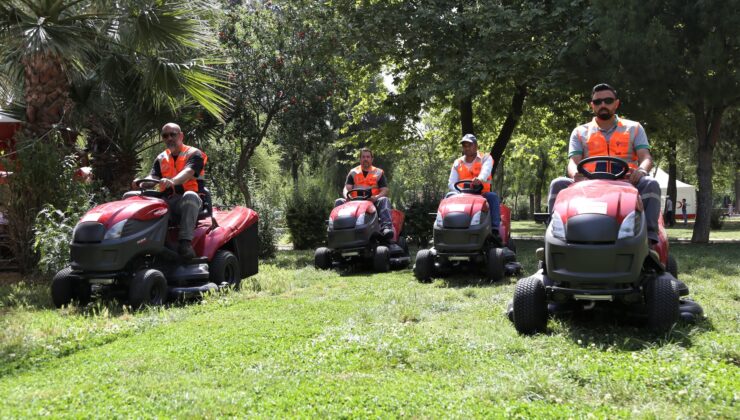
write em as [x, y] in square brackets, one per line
[184, 176]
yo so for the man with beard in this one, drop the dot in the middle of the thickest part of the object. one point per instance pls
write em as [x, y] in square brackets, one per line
[609, 135]
[181, 169]
[367, 176]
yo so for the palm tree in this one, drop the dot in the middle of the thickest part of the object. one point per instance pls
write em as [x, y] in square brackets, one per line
[117, 69]
[111, 68]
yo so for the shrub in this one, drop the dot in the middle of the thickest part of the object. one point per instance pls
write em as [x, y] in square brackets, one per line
[306, 213]
[717, 218]
[419, 224]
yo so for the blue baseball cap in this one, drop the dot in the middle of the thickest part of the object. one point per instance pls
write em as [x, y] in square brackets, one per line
[469, 138]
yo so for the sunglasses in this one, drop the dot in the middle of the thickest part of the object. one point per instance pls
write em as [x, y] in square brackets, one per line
[170, 134]
[607, 101]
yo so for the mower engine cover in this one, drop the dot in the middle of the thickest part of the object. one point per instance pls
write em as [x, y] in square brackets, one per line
[351, 214]
[352, 224]
[458, 211]
[597, 235]
[108, 235]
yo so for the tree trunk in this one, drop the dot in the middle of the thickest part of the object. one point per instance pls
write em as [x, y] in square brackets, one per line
[466, 116]
[672, 191]
[46, 93]
[737, 188]
[707, 132]
[512, 118]
[532, 211]
[294, 167]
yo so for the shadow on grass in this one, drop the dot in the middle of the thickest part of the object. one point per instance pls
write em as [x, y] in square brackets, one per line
[609, 329]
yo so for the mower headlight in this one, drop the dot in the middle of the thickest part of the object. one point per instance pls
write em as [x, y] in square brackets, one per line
[331, 223]
[557, 228]
[115, 231]
[438, 221]
[360, 220]
[630, 225]
[476, 219]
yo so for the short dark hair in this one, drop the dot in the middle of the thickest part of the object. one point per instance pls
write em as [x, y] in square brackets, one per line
[365, 149]
[603, 86]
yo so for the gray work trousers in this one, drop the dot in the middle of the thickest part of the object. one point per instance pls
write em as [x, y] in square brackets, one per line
[186, 206]
[382, 204]
[648, 188]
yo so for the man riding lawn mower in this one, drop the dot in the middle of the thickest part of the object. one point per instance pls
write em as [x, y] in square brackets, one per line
[152, 245]
[362, 225]
[471, 226]
[597, 251]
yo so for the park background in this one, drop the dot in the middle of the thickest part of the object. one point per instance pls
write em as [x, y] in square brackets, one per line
[281, 95]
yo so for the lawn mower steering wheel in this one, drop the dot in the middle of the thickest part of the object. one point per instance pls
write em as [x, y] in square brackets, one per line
[359, 194]
[147, 191]
[603, 175]
[466, 186]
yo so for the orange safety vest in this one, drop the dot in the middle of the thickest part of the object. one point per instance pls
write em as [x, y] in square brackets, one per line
[463, 173]
[620, 144]
[369, 180]
[171, 167]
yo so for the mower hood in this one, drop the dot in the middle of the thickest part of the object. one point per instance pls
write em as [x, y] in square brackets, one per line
[616, 199]
[352, 209]
[462, 203]
[137, 208]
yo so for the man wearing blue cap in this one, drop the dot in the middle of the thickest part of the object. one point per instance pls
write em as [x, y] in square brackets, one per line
[476, 166]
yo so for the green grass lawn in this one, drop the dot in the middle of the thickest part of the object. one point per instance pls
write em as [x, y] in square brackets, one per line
[298, 342]
[730, 230]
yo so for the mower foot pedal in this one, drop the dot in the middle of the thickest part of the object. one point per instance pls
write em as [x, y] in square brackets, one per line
[196, 260]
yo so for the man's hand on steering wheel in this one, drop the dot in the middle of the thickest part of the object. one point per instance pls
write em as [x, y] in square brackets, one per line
[166, 183]
[477, 182]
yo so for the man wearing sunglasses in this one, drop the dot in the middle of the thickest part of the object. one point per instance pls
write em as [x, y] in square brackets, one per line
[609, 135]
[181, 168]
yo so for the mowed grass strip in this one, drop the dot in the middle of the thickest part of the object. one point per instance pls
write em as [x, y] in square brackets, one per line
[300, 342]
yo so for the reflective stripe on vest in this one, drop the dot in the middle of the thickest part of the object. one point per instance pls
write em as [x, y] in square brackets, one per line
[620, 145]
[464, 173]
[170, 167]
[369, 180]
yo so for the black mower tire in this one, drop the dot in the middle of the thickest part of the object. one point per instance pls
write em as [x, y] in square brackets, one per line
[530, 306]
[424, 265]
[148, 287]
[224, 268]
[672, 266]
[322, 258]
[67, 288]
[662, 304]
[382, 259]
[495, 265]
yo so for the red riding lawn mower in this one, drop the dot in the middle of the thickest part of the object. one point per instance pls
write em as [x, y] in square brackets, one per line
[463, 236]
[126, 249]
[354, 237]
[597, 254]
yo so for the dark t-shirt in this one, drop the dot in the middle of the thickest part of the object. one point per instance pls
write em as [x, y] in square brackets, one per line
[382, 183]
[194, 162]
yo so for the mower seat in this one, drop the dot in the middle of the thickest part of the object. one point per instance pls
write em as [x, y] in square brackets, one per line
[206, 209]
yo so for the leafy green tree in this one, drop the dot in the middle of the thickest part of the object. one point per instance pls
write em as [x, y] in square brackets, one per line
[282, 71]
[685, 52]
[457, 53]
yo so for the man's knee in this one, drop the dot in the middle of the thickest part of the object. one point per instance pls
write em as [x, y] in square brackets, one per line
[339, 201]
[190, 201]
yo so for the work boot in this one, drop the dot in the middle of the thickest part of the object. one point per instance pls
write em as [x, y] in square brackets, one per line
[497, 238]
[185, 249]
[387, 233]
